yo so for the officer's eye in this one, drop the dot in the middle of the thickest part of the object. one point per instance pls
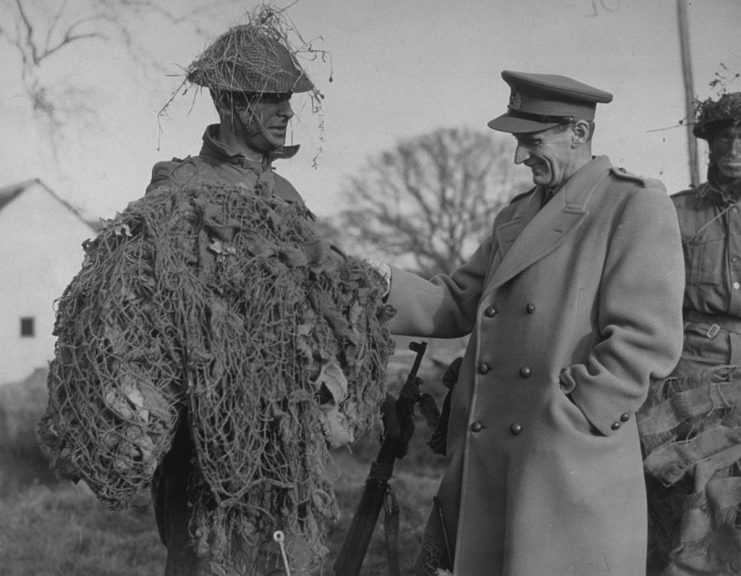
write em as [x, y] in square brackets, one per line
[528, 141]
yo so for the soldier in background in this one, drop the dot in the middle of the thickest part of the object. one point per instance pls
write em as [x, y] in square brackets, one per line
[691, 423]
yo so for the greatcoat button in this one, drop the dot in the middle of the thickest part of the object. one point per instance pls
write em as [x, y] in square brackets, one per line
[624, 417]
[477, 426]
[484, 368]
[490, 312]
[525, 372]
[515, 429]
[615, 426]
[530, 308]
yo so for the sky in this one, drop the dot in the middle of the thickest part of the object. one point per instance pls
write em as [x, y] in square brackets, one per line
[395, 69]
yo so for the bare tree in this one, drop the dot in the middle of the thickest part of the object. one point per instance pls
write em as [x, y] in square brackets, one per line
[431, 199]
[40, 31]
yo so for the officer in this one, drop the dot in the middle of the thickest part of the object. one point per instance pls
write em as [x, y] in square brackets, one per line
[573, 305]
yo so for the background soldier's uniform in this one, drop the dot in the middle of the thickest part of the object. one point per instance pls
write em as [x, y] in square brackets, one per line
[691, 423]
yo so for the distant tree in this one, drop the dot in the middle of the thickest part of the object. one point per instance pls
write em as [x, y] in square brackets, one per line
[429, 202]
[40, 31]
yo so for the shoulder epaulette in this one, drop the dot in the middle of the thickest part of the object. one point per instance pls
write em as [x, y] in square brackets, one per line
[684, 192]
[625, 175]
[522, 195]
[164, 172]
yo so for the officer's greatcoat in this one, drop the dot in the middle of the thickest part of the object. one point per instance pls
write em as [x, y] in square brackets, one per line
[572, 309]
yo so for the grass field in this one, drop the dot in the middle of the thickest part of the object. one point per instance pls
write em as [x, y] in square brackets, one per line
[51, 529]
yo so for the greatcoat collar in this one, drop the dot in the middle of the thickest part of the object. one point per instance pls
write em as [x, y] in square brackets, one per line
[533, 232]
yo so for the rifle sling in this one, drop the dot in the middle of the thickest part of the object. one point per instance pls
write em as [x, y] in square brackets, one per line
[391, 531]
[381, 471]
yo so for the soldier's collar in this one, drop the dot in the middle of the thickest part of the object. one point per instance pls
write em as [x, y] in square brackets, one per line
[227, 153]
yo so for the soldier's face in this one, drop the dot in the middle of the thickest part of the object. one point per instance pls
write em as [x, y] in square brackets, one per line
[550, 155]
[725, 152]
[265, 120]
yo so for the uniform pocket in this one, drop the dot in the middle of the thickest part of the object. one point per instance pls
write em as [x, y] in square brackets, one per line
[703, 260]
[568, 409]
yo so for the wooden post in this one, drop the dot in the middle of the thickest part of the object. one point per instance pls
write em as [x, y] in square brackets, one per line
[689, 91]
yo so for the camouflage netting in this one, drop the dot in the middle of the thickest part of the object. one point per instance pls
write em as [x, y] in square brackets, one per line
[713, 114]
[222, 306]
[253, 57]
[691, 438]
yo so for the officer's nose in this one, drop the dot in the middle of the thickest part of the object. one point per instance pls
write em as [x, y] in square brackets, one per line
[521, 154]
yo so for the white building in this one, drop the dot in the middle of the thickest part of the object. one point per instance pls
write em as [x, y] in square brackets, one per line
[41, 239]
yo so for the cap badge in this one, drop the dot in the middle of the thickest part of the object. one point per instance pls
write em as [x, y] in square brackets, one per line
[514, 100]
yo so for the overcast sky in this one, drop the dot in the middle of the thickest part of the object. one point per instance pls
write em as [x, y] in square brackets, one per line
[400, 68]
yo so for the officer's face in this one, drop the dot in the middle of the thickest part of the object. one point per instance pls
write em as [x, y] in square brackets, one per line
[265, 121]
[550, 155]
[725, 152]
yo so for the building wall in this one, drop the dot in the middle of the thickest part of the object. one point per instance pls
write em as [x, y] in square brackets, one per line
[40, 252]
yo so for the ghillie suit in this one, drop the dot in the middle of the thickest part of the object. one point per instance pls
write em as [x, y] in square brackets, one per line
[219, 308]
[691, 437]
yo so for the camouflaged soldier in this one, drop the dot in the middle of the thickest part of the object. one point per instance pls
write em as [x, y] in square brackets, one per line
[251, 75]
[691, 424]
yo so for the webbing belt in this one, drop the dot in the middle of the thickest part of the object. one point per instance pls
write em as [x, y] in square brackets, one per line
[715, 322]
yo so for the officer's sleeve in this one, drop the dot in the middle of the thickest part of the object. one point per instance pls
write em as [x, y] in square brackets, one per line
[639, 313]
[443, 307]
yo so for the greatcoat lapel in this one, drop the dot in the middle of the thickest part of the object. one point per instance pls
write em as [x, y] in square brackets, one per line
[533, 232]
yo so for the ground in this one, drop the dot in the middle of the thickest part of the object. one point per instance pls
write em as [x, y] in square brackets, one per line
[52, 529]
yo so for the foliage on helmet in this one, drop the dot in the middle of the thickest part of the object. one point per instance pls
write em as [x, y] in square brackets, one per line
[713, 115]
[252, 58]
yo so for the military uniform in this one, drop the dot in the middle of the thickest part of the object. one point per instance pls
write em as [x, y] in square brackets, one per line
[573, 305]
[218, 164]
[691, 424]
[711, 238]
[240, 68]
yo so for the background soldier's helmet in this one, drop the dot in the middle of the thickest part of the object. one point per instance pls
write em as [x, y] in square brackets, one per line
[249, 58]
[717, 115]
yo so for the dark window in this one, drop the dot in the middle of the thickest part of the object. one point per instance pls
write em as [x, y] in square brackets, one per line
[28, 329]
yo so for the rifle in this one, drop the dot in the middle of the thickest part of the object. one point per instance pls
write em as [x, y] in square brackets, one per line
[377, 490]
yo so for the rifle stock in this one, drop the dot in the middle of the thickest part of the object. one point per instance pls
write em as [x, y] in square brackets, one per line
[358, 537]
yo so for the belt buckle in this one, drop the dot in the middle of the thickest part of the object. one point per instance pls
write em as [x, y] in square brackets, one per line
[712, 332]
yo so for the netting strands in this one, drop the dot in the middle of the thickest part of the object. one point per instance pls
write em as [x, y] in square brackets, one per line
[261, 56]
[273, 346]
[691, 438]
[115, 384]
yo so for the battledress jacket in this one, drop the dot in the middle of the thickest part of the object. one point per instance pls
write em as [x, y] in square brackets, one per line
[711, 237]
[572, 309]
[218, 164]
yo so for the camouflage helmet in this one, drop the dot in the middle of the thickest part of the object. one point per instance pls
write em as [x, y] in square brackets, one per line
[716, 115]
[250, 58]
